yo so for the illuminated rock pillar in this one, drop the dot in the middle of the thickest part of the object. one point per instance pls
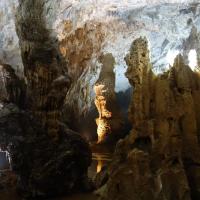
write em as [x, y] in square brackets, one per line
[109, 122]
[103, 124]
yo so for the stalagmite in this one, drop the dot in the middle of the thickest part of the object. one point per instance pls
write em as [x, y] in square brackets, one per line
[110, 120]
[47, 158]
[160, 158]
[103, 124]
[43, 66]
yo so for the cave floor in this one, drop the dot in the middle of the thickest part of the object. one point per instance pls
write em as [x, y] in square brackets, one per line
[12, 195]
[100, 157]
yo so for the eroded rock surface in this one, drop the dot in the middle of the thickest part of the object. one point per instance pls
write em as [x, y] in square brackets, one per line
[47, 158]
[44, 68]
[81, 49]
[43, 168]
[160, 158]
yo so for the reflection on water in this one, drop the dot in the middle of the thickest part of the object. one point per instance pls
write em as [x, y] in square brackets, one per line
[98, 161]
[99, 166]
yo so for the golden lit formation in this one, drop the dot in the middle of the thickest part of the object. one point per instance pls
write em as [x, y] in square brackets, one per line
[103, 125]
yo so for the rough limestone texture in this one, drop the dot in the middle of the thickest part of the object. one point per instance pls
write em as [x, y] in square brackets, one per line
[160, 158]
[89, 28]
[47, 158]
[110, 120]
[12, 89]
[79, 49]
[43, 168]
[44, 69]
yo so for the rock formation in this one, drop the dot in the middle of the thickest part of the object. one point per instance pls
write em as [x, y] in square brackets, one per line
[43, 168]
[47, 158]
[110, 119]
[160, 158]
[80, 49]
[45, 72]
[103, 125]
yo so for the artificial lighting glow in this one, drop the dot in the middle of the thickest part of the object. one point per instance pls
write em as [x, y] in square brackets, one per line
[171, 55]
[192, 58]
[99, 165]
[103, 126]
[101, 159]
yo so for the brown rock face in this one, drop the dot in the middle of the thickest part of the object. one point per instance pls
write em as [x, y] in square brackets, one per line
[81, 49]
[160, 158]
[78, 47]
[45, 168]
[110, 120]
[45, 72]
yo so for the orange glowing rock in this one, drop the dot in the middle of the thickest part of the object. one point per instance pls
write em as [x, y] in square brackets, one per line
[102, 122]
[110, 119]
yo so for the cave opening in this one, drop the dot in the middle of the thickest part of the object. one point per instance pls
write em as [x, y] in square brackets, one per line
[192, 58]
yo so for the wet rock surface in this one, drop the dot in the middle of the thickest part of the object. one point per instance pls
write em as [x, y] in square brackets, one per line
[43, 168]
[160, 157]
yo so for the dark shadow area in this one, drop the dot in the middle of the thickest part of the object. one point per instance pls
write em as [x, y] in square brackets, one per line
[4, 161]
[124, 99]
